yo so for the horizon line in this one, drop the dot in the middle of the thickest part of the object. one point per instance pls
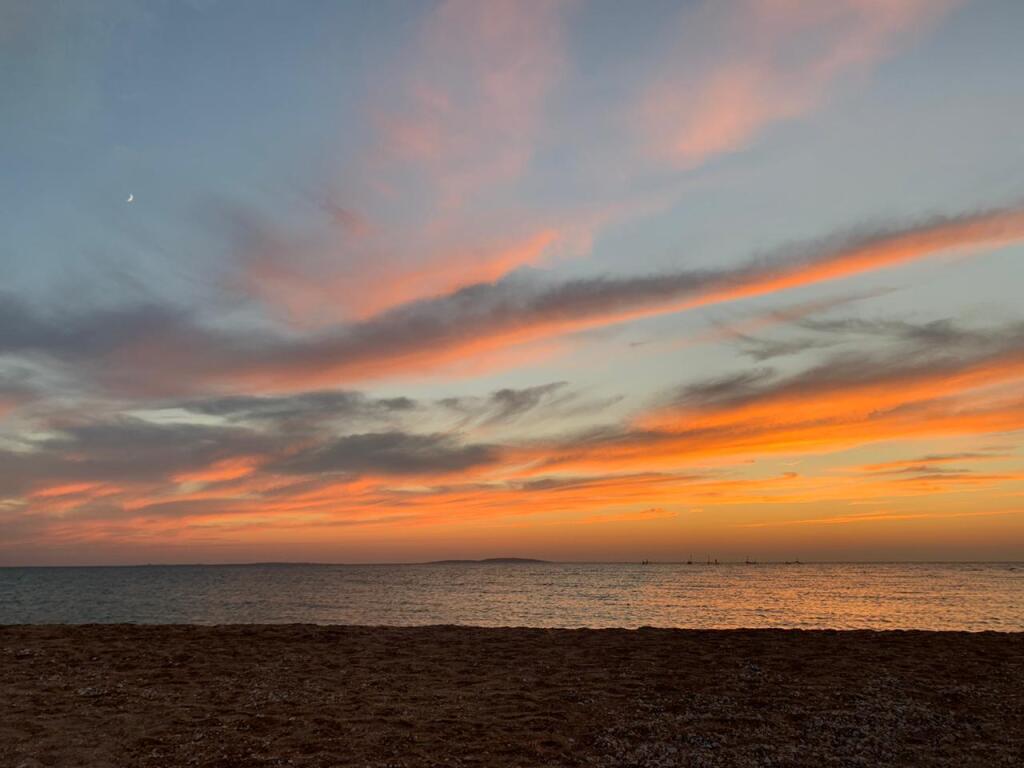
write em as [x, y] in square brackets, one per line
[513, 561]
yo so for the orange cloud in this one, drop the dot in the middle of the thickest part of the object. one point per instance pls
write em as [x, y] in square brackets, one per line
[495, 317]
[69, 489]
[455, 268]
[61, 498]
[307, 287]
[227, 469]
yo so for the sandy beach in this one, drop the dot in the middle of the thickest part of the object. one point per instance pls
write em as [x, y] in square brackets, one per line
[448, 696]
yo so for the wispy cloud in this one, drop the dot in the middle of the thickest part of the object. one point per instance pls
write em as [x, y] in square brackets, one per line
[392, 453]
[876, 517]
[473, 98]
[738, 68]
[492, 316]
[139, 349]
[900, 465]
[455, 127]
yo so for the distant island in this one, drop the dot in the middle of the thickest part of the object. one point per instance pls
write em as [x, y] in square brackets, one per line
[488, 560]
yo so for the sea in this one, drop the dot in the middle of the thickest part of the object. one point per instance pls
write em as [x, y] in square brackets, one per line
[933, 596]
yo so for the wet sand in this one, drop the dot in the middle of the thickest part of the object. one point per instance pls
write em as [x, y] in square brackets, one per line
[446, 696]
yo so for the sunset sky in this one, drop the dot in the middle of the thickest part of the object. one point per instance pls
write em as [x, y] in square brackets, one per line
[400, 281]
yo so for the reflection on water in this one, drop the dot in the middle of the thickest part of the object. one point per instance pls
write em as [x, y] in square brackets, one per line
[881, 596]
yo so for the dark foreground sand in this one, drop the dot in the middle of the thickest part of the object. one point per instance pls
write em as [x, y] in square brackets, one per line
[332, 696]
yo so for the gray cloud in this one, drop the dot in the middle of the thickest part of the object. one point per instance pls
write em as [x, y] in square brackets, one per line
[392, 453]
[722, 389]
[927, 469]
[944, 331]
[511, 403]
[917, 337]
[138, 442]
[81, 334]
[15, 386]
[762, 350]
[508, 404]
[302, 410]
[125, 450]
[132, 451]
[963, 456]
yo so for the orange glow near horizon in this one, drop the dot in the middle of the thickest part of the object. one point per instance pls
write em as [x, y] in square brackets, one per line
[696, 459]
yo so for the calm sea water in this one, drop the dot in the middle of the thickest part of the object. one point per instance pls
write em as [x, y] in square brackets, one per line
[882, 596]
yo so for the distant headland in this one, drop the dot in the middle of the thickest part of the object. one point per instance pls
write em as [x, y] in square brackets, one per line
[488, 560]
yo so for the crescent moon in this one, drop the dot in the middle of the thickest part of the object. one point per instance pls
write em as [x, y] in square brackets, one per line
[131, 198]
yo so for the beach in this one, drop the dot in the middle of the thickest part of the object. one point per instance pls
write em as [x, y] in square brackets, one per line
[304, 695]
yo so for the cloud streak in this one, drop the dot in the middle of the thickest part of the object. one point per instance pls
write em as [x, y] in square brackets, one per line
[491, 316]
[152, 349]
[735, 69]
[392, 453]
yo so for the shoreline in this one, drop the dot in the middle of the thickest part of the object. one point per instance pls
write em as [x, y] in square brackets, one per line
[318, 696]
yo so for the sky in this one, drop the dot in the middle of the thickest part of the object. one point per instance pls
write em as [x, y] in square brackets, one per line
[402, 281]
